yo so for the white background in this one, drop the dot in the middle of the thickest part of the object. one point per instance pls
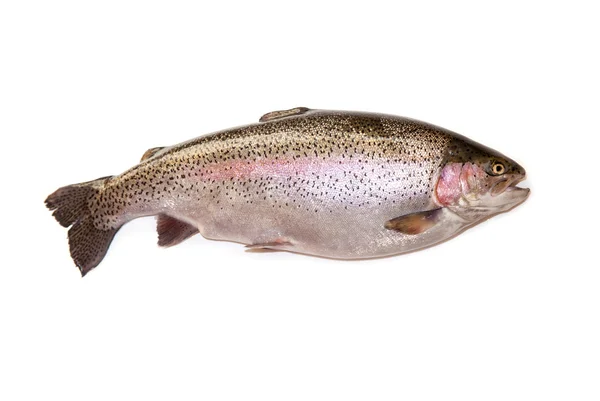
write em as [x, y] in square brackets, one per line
[507, 311]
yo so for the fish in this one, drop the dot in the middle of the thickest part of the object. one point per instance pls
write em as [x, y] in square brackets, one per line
[333, 184]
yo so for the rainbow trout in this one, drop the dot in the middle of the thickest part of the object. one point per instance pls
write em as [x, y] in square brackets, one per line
[344, 185]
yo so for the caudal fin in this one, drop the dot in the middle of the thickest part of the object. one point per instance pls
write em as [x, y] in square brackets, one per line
[87, 243]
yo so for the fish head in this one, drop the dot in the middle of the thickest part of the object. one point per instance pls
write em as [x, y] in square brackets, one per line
[477, 182]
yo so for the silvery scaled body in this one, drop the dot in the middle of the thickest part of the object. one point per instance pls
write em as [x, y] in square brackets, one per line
[344, 185]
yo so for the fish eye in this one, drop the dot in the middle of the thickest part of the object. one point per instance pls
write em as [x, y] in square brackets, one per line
[498, 168]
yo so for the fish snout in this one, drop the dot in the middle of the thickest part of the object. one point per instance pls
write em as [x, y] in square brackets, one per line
[509, 182]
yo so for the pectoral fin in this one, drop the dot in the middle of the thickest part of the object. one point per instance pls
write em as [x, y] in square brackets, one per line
[172, 231]
[275, 115]
[415, 223]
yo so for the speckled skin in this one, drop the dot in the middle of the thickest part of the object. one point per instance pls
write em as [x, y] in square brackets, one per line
[316, 182]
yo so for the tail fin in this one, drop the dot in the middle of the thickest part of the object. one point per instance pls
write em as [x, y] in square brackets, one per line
[87, 243]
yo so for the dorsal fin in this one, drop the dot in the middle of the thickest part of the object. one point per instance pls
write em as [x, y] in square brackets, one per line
[151, 152]
[276, 115]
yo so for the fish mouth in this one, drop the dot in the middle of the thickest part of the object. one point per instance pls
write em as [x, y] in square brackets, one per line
[510, 185]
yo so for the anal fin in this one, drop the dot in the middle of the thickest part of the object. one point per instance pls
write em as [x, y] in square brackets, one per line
[172, 231]
[415, 223]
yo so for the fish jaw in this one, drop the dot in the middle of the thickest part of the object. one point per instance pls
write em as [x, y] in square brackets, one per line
[512, 197]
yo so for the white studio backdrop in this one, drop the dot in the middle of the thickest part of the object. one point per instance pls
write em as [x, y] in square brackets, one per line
[507, 310]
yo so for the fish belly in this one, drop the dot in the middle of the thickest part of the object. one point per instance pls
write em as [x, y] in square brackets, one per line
[332, 211]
